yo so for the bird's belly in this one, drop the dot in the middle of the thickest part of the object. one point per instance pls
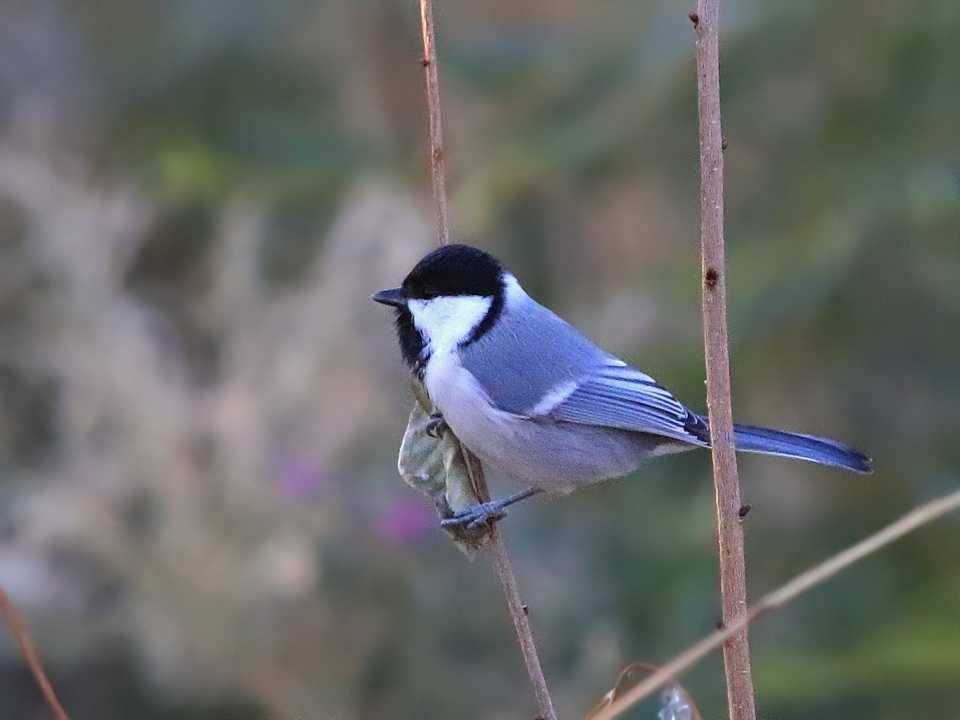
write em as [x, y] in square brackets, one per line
[557, 457]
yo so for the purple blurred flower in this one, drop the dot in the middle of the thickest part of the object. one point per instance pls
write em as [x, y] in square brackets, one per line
[405, 521]
[297, 479]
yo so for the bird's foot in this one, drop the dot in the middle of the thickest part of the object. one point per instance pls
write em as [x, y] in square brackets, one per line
[488, 512]
[436, 426]
[476, 515]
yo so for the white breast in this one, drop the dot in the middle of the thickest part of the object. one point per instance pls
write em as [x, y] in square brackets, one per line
[446, 322]
[490, 432]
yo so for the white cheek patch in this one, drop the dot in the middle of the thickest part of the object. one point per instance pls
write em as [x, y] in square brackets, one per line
[447, 321]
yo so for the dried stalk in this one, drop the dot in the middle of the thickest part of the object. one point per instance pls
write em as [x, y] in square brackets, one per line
[438, 164]
[733, 581]
[502, 563]
[808, 580]
[20, 631]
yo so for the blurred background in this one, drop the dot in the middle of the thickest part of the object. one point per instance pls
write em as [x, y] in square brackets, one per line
[200, 409]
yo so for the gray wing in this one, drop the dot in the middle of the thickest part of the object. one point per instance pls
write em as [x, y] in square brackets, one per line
[526, 354]
[533, 363]
[616, 395]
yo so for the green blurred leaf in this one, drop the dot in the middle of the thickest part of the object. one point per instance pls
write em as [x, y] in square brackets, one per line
[437, 467]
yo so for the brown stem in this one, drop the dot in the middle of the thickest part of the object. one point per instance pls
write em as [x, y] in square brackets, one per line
[733, 582]
[502, 563]
[508, 581]
[438, 163]
[21, 633]
[807, 580]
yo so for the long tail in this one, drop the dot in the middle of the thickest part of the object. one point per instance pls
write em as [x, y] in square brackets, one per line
[749, 438]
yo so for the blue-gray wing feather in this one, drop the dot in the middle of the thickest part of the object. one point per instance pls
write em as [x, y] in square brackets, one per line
[525, 357]
[618, 396]
[526, 354]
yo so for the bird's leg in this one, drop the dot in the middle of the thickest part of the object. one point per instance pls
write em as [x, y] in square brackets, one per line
[436, 425]
[491, 511]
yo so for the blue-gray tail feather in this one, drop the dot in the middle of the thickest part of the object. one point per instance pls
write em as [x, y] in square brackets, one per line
[766, 441]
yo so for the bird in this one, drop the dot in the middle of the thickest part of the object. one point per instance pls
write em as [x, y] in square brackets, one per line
[534, 398]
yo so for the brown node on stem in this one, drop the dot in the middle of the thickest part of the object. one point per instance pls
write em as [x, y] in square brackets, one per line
[744, 510]
[723, 144]
[437, 156]
[425, 62]
[694, 18]
[710, 278]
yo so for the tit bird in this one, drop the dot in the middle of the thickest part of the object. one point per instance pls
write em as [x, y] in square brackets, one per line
[529, 395]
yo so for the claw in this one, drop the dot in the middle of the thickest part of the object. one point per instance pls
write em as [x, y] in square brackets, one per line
[436, 426]
[488, 512]
[476, 515]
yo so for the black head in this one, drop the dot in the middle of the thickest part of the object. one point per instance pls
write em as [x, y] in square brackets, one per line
[454, 270]
[450, 270]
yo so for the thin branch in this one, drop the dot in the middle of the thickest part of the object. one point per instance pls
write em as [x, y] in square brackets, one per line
[518, 610]
[733, 580]
[627, 681]
[502, 563]
[21, 632]
[808, 580]
[438, 163]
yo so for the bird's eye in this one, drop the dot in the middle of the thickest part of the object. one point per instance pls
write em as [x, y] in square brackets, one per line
[428, 293]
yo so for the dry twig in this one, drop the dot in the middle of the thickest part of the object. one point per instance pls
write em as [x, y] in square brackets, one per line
[20, 631]
[502, 563]
[808, 580]
[733, 581]
[628, 679]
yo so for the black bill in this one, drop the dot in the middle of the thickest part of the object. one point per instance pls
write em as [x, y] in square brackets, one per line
[393, 296]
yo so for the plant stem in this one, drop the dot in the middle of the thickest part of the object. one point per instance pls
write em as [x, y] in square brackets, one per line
[21, 633]
[502, 563]
[733, 585]
[438, 164]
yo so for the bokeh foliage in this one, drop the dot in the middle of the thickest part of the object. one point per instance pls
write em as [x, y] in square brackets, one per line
[200, 409]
